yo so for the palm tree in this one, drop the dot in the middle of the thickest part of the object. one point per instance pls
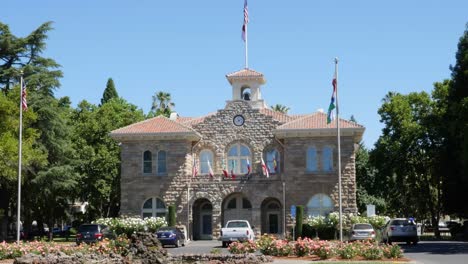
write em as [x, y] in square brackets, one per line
[280, 108]
[162, 104]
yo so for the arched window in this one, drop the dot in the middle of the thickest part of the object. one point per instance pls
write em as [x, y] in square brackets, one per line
[273, 161]
[311, 159]
[327, 160]
[246, 204]
[232, 204]
[246, 94]
[162, 161]
[154, 207]
[237, 158]
[147, 162]
[206, 156]
[319, 204]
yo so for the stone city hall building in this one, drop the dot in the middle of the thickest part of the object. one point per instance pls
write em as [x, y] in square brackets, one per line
[160, 154]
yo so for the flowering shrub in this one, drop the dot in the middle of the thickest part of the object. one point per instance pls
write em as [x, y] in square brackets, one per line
[13, 250]
[264, 243]
[372, 252]
[130, 225]
[323, 249]
[348, 250]
[242, 247]
[392, 252]
[302, 247]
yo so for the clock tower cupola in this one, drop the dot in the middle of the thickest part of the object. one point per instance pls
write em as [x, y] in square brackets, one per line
[246, 85]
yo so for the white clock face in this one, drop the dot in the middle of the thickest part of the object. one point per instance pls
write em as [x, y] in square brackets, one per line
[238, 120]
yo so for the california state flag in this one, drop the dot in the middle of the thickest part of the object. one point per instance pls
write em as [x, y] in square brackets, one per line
[265, 169]
[210, 171]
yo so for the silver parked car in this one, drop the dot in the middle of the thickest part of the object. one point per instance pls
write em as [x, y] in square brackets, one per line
[400, 230]
[362, 231]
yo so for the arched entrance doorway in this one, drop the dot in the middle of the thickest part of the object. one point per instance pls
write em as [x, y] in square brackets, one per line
[272, 217]
[202, 219]
[237, 207]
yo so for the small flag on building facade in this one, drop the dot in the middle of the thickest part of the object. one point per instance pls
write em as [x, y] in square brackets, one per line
[210, 171]
[265, 169]
[195, 168]
[233, 176]
[249, 169]
[225, 171]
[275, 165]
[246, 20]
[24, 93]
[330, 113]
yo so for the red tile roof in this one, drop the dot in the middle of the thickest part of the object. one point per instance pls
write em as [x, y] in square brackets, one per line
[154, 125]
[316, 121]
[245, 74]
[283, 118]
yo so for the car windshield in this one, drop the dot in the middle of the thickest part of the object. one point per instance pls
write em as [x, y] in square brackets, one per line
[166, 229]
[402, 222]
[362, 226]
[237, 224]
[88, 228]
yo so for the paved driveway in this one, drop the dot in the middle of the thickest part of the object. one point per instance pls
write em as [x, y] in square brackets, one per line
[436, 252]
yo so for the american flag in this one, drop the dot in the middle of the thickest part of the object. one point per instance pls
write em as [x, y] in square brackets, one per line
[246, 19]
[24, 101]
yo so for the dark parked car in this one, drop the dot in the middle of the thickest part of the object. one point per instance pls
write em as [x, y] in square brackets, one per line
[171, 236]
[92, 233]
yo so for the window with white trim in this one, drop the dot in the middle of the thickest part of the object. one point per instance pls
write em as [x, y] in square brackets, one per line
[311, 159]
[238, 155]
[154, 207]
[320, 204]
[147, 162]
[205, 157]
[162, 162]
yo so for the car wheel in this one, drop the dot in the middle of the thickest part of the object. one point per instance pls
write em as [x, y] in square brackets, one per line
[225, 244]
[408, 242]
[389, 241]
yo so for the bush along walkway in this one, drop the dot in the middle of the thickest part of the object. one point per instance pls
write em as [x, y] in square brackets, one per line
[318, 249]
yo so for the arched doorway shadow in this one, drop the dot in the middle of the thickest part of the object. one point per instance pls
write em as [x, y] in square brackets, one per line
[236, 207]
[272, 216]
[202, 219]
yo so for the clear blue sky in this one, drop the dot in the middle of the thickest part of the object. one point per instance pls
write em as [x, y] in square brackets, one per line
[187, 47]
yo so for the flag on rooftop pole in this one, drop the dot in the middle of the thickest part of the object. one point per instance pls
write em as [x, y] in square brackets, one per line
[244, 32]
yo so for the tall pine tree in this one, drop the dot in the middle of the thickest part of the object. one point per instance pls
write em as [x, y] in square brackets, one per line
[110, 92]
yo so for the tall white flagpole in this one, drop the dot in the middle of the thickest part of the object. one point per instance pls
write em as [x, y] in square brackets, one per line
[18, 214]
[339, 152]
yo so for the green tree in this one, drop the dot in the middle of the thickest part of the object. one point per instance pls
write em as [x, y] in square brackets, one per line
[110, 92]
[406, 156]
[456, 121]
[161, 105]
[99, 154]
[280, 108]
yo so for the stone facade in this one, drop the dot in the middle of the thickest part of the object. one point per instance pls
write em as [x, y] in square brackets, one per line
[205, 203]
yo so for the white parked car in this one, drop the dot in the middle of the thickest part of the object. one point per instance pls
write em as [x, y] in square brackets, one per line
[362, 231]
[400, 230]
[236, 230]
